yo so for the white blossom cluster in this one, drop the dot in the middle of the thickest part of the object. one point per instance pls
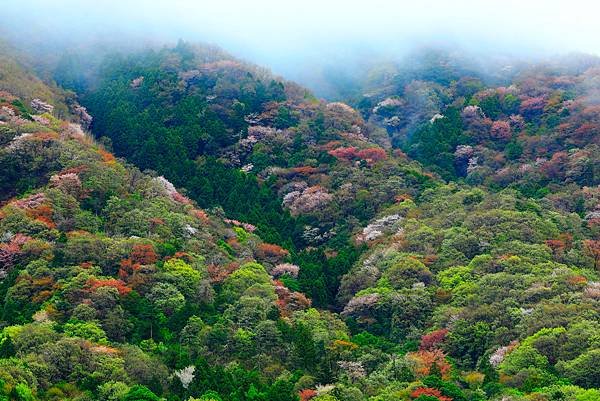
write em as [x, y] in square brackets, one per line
[340, 108]
[377, 228]
[353, 369]
[85, 119]
[137, 82]
[436, 117]
[388, 102]
[472, 112]
[592, 290]
[392, 121]
[166, 185]
[186, 375]
[69, 183]
[41, 107]
[314, 235]
[473, 164]
[498, 356]
[463, 151]
[360, 304]
[308, 200]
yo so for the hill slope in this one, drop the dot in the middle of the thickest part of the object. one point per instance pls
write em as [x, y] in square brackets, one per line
[118, 285]
[305, 172]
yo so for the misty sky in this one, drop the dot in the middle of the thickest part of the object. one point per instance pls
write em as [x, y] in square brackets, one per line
[293, 36]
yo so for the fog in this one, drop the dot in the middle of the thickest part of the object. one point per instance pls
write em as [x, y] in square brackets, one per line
[299, 39]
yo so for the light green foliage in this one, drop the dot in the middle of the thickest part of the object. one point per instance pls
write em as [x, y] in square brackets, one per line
[523, 357]
[183, 276]
[166, 298]
[112, 391]
[88, 330]
[244, 278]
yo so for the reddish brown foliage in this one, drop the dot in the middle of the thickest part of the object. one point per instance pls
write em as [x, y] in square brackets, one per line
[432, 392]
[234, 243]
[41, 296]
[428, 260]
[107, 157]
[532, 105]
[402, 197]
[218, 273]
[577, 281]
[344, 153]
[271, 251]
[330, 253]
[177, 197]
[186, 257]
[44, 136]
[332, 145]
[74, 170]
[42, 214]
[289, 301]
[127, 268]
[425, 359]
[306, 394]
[9, 252]
[433, 339]
[372, 155]
[442, 295]
[104, 349]
[37, 208]
[555, 244]
[555, 167]
[201, 214]
[560, 244]
[156, 221]
[592, 248]
[400, 154]
[586, 131]
[143, 254]
[94, 283]
[305, 170]
[501, 130]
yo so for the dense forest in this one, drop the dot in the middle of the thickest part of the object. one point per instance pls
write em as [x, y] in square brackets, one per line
[178, 224]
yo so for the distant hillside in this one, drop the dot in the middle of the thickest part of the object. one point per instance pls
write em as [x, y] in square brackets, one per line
[17, 78]
[529, 126]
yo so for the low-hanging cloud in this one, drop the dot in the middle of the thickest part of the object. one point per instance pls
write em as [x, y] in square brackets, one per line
[293, 37]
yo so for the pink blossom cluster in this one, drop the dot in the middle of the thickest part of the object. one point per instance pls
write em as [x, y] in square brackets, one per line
[285, 268]
[31, 202]
[246, 226]
[68, 182]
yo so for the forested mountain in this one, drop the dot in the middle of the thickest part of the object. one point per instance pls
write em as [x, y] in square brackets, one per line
[202, 229]
[528, 126]
[307, 173]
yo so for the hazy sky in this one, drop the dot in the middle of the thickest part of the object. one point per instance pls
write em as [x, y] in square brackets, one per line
[290, 36]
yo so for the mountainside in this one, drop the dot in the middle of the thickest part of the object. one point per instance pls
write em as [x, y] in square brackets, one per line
[205, 230]
[305, 172]
[528, 126]
[18, 79]
[97, 257]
